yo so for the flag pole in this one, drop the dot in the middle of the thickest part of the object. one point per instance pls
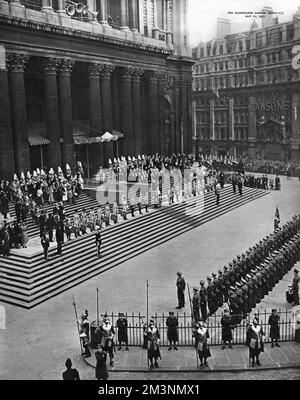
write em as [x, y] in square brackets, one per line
[77, 323]
[192, 317]
[97, 307]
[147, 321]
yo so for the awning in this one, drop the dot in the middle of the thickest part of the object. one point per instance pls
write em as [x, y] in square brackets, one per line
[87, 140]
[37, 140]
[37, 133]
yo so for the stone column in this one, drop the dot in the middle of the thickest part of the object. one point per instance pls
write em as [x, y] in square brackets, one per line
[252, 126]
[17, 64]
[126, 113]
[177, 115]
[6, 132]
[103, 12]
[95, 115]
[106, 96]
[133, 4]
[65, 102]
[137, 74]
[52, 111]
[124, 14]
[153, 135]
[161, 106]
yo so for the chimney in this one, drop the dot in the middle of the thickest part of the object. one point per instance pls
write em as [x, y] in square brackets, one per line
[267, 20]
[223, 28]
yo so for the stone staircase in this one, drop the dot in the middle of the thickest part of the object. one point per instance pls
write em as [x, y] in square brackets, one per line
[26, 281]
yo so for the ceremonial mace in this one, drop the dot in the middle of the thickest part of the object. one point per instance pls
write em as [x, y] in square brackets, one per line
[77, 323]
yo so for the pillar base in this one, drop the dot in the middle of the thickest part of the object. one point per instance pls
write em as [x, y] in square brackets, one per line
[48, 10]
[17, 9]
[125, 28]
[4, 7]
[105, 23]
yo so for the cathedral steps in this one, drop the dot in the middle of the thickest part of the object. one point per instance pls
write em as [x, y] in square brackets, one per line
[31, 282]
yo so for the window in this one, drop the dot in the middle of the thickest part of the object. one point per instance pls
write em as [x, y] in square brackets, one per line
[221, 49]
[258, 39]
[240, 46]
[290, 32]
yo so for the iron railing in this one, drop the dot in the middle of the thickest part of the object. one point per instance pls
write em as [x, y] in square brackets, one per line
[185, 326]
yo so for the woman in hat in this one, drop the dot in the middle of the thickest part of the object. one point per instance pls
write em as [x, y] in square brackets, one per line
[202, 342]
[255, 341]
[101, 368]
[274, 319]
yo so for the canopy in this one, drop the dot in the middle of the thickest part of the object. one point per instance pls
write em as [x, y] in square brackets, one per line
[37, 140]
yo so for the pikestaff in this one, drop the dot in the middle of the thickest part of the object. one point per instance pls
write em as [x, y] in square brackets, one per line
[97, 307]
[193, 323]
[77, 323]
[147, 320]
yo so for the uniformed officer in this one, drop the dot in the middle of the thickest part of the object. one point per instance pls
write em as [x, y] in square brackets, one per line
[180, 283]
[211, 300]
[196, 305]
[226, 283]
[203, 300]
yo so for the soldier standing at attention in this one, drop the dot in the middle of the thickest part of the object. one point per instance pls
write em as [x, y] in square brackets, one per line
[203, 300]
[180, 283]
[196, 305]
[172, 324]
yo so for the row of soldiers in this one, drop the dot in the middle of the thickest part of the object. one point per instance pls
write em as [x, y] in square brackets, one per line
[250, 276]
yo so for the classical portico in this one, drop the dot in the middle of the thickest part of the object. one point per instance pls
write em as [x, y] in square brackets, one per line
[68, 87]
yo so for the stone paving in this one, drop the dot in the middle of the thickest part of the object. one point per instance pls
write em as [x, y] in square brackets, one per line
[36, 343]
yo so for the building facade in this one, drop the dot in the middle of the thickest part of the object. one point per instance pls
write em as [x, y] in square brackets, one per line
[246, 92]
[69, 72]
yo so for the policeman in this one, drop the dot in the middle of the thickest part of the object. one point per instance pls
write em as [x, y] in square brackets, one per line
[196, 305]
[180, 283]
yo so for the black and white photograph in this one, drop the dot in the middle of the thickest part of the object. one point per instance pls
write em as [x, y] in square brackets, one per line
[149, 192]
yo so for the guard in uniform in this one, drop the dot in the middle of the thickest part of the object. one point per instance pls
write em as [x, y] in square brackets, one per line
[203, 300]
[180, 283]
[227, 326]
[172, 333]
[122, 326]
[211, 299]
[196, 305]
[107, 334]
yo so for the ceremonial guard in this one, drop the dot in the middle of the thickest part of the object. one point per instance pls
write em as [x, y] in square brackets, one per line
[68, 226]
[255, 341]
[122, 326]
[115, 212]
[227, 326]
[83, 222]
[85, 334]
[273, 321]
[76, 223]
[202, 342]
[196, 305]
[125, 207]
[101, 368]
[203, 300]
[153, 339]
[107, 214]
[226, 284]
[98, 241]
[107, 334]
[180, 283]
[92, 220]
[99, 216]
[172, 333]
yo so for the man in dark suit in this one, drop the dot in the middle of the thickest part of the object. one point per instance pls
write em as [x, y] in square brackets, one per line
[45, 243]
[98, 241]
[71, 374]
[180, 283]
[59, 237]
